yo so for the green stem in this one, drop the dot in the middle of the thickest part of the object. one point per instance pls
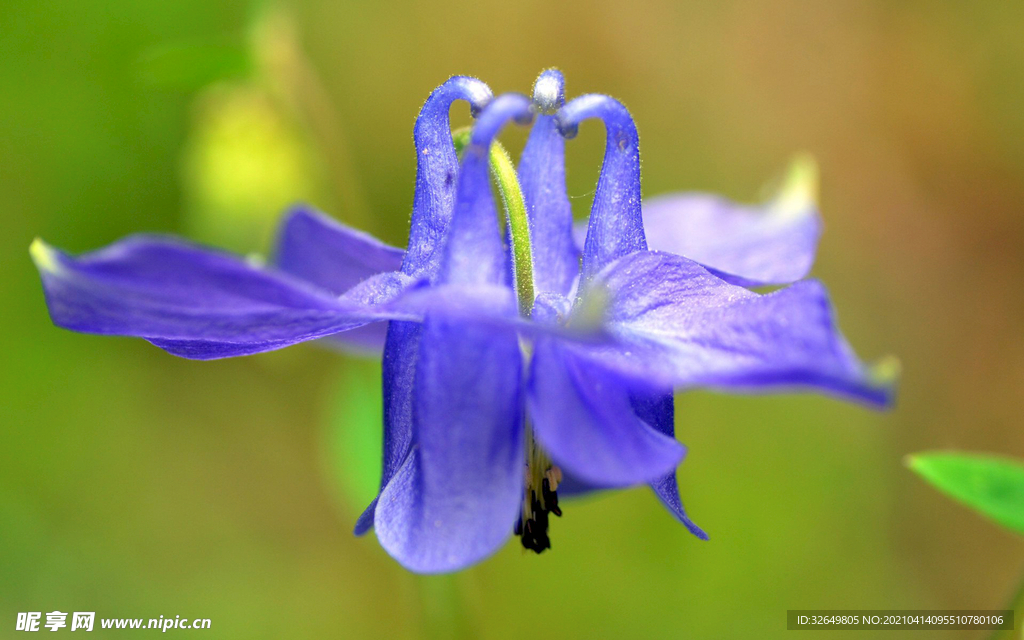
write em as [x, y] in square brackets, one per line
[504, 172]
[445, 611]
[1016, 603]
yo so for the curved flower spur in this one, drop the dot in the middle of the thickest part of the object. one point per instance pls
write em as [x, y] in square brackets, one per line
[489, 414]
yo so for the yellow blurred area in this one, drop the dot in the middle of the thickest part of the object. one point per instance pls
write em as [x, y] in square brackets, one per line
[135, 484]
[243, 165]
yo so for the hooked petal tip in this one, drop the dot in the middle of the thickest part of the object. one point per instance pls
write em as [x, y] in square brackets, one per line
[549, 91]
[569, 130]
[509, 106]
[594, 105]
[478, 95]
[467, 88]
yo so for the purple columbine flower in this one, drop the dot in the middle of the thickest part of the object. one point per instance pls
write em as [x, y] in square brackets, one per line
[581, 395]
[505, 383]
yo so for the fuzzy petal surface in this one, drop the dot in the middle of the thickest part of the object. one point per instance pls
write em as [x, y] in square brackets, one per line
[196, 302]
[743, 244]
[583, 417]
[455, 498]
[679, 325]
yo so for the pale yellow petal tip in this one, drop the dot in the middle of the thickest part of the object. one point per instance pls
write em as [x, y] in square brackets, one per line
[886, 372]
[43, 255]
[799, 192]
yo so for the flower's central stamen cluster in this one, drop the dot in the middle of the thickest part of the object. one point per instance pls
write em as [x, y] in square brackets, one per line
[540, 497]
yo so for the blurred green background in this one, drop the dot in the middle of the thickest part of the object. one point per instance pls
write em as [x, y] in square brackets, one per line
[135, 484]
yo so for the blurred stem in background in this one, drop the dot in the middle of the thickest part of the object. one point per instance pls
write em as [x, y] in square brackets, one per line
[1017, 604]
[445, 615]
[352, 465]
[293, 80]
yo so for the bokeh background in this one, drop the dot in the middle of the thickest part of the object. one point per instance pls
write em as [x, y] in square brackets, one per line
[135, 484]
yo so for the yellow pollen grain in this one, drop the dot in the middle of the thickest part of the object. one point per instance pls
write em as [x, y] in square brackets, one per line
[554, 477]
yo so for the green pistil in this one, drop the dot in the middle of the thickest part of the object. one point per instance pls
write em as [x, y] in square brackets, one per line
[504, 172]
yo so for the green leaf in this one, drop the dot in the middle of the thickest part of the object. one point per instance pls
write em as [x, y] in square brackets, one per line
[992, 485]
